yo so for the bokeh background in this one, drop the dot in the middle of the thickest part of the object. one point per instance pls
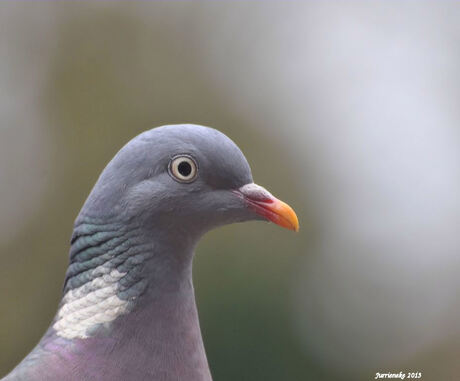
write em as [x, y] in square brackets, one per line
[349, 111]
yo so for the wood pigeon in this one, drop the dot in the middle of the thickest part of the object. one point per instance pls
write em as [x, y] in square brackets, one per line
[128, 309]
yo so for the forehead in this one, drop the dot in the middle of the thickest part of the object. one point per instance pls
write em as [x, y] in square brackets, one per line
[220, 162]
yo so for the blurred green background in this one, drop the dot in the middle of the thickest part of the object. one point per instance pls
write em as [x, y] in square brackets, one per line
[347, 111]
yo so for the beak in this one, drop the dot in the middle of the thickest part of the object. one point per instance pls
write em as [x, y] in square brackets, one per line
[266, 205]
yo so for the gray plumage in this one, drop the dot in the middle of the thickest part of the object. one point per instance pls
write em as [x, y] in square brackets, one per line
[128, 310]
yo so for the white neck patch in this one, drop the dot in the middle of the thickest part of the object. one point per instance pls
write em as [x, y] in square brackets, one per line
[94, 303]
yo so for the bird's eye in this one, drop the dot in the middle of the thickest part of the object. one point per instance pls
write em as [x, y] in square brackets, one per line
[183, 168]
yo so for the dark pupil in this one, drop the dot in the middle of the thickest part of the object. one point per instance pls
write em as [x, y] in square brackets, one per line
[184, 168]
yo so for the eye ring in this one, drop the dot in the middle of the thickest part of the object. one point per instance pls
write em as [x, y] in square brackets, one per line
[183, 168]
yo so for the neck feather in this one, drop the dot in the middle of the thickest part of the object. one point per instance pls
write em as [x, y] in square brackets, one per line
[113, 265]
[128, 310]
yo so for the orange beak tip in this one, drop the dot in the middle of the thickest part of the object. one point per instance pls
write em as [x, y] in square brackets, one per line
[287, 218]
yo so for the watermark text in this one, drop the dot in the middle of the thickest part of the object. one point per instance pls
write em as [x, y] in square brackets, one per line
[400, 375]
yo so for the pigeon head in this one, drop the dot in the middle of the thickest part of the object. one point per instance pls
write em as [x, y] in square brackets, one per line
[185, 178]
